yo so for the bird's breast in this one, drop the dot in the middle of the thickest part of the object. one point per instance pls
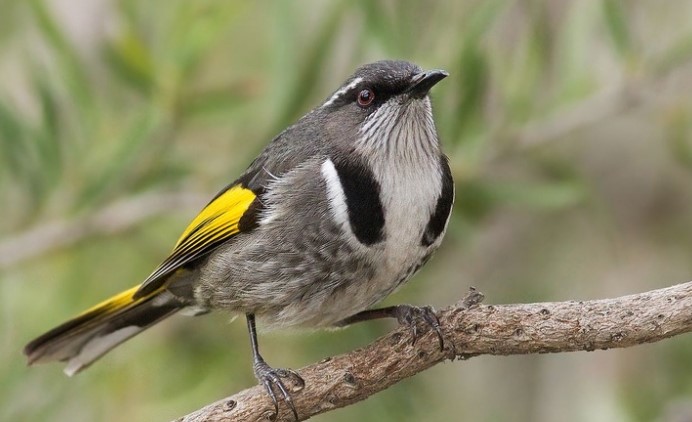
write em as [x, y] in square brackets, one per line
[409, 196]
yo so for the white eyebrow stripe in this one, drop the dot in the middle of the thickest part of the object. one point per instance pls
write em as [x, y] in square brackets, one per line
[342, 91]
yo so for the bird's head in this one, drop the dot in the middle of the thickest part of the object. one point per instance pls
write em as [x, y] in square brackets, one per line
[384, 106]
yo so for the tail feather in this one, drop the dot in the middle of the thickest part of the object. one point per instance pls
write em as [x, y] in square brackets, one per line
[85, 338]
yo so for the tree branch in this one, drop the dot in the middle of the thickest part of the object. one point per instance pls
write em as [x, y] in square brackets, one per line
[470, 329]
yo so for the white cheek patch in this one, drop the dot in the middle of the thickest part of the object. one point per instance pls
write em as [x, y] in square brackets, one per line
[342, 91]
[335, 194]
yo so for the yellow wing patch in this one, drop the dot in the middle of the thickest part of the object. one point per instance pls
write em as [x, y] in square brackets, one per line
[218, 221]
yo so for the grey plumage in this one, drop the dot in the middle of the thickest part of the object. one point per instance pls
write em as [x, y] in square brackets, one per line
[347, 204]
[300, 267]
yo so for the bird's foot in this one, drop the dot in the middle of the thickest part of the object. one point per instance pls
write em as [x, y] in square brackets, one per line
[272, 377]
[411, 316]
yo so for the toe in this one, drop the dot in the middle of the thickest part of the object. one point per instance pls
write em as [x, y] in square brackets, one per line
[272, 378]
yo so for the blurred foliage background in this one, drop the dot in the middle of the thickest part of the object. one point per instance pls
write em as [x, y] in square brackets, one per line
[568, 125]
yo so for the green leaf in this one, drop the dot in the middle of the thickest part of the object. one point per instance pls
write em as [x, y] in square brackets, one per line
[477, 198]
[382, 26]
[473, 74]
[299, 93]
[195, 28]
[48, 136]
[121, 164]
[130, 60]
[75, 78]
[473, 85]
[13, 135]
[678, 130]
[618, 27]
[546, 196]
[217, 101]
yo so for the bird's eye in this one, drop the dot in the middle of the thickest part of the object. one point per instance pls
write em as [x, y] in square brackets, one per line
[366, 97]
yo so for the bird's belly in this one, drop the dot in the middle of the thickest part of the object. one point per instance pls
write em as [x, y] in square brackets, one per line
[316, 286]
[315, 274]
[385, 268]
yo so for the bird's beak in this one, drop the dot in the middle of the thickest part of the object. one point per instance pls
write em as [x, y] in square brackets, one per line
[422, 82]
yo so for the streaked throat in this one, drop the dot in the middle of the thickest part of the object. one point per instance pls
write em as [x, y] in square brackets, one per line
[402, 130]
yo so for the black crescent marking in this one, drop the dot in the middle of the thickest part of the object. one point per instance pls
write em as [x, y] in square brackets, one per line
[362, 192]
[438, 220]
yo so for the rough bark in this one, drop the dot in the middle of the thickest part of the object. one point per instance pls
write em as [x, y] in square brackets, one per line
[470, 329]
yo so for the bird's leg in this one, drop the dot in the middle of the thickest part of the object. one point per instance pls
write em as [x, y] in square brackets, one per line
[268, 376]
[405, 314]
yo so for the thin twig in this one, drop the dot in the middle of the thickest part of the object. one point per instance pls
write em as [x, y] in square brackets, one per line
[116, 217]
[470, 329]
[632, 92]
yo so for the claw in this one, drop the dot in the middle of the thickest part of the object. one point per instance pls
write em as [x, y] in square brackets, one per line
[410, 315]
[270, 378]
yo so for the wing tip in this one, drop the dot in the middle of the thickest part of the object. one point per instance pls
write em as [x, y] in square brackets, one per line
[32, 352]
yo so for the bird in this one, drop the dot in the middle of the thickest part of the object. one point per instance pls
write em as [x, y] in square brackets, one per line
[337, 212]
